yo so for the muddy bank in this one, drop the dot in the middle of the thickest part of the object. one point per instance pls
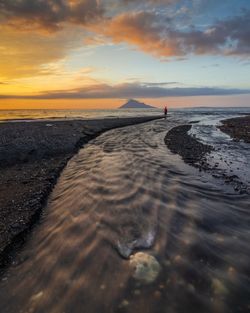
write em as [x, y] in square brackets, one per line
[238, 128]
[32, 155]
[198, 155]
[191, 150]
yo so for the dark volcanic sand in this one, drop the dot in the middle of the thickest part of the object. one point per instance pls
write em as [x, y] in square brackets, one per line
[32, 155]
[238, 128]
[191, 150]
[194, 153]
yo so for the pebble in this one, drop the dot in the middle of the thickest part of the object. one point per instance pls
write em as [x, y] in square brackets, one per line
[157, 294]
[124, 303]
[218, 287]
[37, 296]
[137, 292]
[146, 267]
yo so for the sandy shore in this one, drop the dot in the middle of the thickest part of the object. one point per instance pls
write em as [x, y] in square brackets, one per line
[32, 155]
[238, 128]
[191, 150]
[196, 153]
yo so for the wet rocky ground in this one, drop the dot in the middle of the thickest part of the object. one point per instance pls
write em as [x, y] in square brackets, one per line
[32, 155]
[197, 154]
[190, 149]
[238, 128]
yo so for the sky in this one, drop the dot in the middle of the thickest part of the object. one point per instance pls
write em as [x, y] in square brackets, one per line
[96, 54]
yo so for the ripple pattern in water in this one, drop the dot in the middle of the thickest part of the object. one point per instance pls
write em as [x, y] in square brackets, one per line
[122, 193]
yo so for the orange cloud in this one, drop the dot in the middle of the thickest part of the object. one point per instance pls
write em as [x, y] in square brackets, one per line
[156, 34]
[24, 54]
[141, 30]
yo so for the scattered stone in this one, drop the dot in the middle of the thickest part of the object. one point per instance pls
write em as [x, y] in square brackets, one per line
[157, 294]
[137, 292]
[238, 128]
[37, 296]
[189, 148]
[124, 304]
[218, 287]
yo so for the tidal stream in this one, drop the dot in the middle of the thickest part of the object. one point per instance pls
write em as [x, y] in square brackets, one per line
[122, 193]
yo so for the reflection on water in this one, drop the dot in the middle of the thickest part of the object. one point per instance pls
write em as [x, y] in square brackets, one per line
[12, 115]
[122, 193]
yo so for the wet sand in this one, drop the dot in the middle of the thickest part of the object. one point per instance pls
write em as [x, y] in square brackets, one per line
[32, 155]
[238, 128]
[197, 154]
[190, 149]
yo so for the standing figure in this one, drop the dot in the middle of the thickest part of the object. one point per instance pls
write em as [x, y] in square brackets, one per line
[165, 111]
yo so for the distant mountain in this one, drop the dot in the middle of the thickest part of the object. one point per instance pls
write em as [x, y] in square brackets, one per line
[134, 104]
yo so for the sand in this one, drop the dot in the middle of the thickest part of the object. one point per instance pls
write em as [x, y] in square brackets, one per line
[238, 128]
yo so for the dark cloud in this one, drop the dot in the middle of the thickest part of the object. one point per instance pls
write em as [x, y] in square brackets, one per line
[131, 90]
[49, 14]
[158, 35]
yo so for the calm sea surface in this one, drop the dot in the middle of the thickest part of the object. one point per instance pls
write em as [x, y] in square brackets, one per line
[93, 114]
[125, 193]
[74, 114]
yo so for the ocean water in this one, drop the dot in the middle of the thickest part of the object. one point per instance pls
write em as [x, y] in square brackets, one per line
[124, 193]
[73, 114]
[13, 115]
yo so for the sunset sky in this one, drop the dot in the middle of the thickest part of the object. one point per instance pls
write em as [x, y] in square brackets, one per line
[97, 54]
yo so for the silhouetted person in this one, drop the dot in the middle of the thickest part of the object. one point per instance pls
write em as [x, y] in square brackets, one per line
[165, 111]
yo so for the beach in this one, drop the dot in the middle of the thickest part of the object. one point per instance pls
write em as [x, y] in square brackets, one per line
[238, 128]
[32, 156]
[127, 225]
[197, 153]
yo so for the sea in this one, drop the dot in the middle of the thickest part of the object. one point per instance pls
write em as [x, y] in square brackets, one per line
[13, 115]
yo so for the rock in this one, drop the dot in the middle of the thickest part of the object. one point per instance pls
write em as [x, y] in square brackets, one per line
[37, 296]
[157, 294]
[124, 304]
[218, 287]
[137, 292]
[146, 267]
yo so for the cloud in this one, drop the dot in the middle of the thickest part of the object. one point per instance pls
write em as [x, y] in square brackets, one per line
[140, 29]
[25, 54]
[49, 14]
[157, 27]
[159, 35]
[130, 90]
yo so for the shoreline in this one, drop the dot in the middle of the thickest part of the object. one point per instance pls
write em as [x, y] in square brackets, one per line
[190, 149]
[195, 153]
[32, 157]
[237, 128]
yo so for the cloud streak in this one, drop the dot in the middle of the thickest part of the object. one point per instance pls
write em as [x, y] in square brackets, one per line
[130, 90]
[49, 14]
